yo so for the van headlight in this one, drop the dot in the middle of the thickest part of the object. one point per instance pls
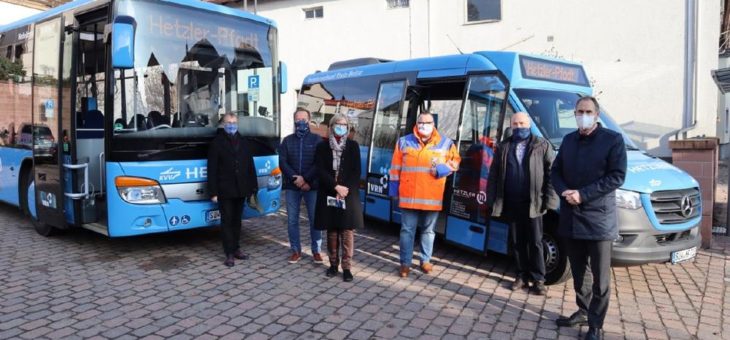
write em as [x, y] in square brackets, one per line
[138, 190]
[628, 199]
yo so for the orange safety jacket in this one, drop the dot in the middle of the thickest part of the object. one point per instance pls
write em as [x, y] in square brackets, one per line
[418, 171]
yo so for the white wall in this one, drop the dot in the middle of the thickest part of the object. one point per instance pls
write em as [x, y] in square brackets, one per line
[10, 12]
[632, 50]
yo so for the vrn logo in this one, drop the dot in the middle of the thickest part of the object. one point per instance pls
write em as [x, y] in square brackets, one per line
[169, 174]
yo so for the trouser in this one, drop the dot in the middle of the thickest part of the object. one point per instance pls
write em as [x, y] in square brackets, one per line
[345, 239]
[231, 211]
[293, 202]
[526, 243]
[597, 254]
[424, 221]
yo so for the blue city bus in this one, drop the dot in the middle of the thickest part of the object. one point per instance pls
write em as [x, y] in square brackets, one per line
[473, 97]
[108, 107]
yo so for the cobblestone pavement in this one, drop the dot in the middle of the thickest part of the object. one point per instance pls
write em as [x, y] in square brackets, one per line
[83, 285]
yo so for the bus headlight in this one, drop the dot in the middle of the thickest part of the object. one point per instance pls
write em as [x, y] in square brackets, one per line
[138, 190]
[628, 199]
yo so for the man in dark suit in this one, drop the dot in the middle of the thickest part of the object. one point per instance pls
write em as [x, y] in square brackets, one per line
[590, 166]
[519, 190]
[231, 179]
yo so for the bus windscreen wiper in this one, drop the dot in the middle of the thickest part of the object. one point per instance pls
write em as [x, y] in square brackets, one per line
[185, 145]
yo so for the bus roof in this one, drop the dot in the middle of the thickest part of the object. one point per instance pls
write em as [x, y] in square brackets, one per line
[443, 66]
[536, 71]
[189, 3]
[522, 70]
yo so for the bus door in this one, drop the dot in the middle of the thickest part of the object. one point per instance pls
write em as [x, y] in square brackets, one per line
[50, 99]
[467, 221]
[386, 124]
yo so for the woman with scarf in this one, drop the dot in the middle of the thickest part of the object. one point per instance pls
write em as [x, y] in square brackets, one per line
[338, 202]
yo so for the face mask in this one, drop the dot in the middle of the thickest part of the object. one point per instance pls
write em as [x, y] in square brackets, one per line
[340, 130]
[301, 127]
[230, 128]
[425, 130]
[520, 133]
[585, 122]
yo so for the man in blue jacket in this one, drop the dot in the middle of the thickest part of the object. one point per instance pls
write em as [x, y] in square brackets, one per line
[296, 160]
[590, 166]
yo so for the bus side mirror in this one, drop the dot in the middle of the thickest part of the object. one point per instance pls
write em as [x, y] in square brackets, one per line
[283, 78]
[123, 42]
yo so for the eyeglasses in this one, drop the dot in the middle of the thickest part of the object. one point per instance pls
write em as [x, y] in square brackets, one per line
[424, 123]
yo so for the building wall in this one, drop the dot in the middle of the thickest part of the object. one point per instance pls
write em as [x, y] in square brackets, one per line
[11, 12]
[632, 50]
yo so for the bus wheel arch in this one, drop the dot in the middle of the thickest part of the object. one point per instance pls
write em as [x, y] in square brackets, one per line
[557, 267]
[27, 200]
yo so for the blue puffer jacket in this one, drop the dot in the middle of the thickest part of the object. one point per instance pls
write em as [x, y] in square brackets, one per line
[296, 157]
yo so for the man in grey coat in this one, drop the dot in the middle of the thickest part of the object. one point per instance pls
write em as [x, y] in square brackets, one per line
[590, 166]
[519, 189]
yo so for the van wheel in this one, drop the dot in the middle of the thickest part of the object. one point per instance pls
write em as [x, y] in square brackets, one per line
[29, 207]
[557, 267]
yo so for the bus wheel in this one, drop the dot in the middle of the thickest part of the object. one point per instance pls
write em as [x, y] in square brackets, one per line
[557, 267]
[29, 207]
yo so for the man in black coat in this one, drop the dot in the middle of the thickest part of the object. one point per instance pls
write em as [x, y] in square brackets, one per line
[590, 166]
[231, 179]
[519, 189]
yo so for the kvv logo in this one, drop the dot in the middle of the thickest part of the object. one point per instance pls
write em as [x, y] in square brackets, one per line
[198, 172]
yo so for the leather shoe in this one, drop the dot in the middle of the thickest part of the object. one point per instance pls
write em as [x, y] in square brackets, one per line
[240, 255]
[331, 271]
[578, 318]
[426, 267]
[594, 334]
[538, 288]
[347, 275]
[519, 284]
[229, 261]
[404, 270]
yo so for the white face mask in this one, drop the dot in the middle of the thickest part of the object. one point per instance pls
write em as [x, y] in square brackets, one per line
[585, 122]
[425, 130]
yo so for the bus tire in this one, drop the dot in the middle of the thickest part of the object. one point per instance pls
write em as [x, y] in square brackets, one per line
[557, 267]
[28, 205]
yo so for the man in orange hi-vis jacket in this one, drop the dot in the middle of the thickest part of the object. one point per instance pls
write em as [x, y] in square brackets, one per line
[421, 162]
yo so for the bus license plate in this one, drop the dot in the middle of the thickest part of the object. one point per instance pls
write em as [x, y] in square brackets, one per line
[212, 216]
[684, 255]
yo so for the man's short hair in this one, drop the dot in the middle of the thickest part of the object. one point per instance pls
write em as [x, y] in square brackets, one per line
[591, 98]
[230, 114]
[425, 113]
[301, 109]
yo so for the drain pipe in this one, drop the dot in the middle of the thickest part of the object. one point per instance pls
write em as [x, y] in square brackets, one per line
[689, 112]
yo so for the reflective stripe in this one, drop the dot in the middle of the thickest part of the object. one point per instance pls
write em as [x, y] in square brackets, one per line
[420, 201]
[394, 178]
[416, 169]
[395, 167]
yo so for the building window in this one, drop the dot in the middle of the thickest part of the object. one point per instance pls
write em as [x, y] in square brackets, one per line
[483, 10]
[397, 3]
[313, 13]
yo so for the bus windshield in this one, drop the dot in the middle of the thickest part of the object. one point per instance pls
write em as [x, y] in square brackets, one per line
[191, 67]
[552, 112]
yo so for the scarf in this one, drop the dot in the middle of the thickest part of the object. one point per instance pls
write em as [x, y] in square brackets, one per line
[337, 148]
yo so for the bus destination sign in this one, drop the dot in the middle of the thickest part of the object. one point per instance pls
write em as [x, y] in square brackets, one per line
[540, 69]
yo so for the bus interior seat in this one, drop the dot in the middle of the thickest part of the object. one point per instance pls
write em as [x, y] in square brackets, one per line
[139, 121]
[120, 121]
[156, 118]
[545, 115]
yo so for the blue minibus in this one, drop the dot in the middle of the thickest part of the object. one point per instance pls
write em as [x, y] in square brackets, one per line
[473, 97]
[107, 108]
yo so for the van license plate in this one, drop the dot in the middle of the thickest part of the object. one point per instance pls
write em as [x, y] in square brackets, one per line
[684, 255]
[212, 216]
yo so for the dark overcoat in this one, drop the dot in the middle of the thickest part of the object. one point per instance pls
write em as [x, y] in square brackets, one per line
[332, 218]
[595, 165]
[231, 170]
